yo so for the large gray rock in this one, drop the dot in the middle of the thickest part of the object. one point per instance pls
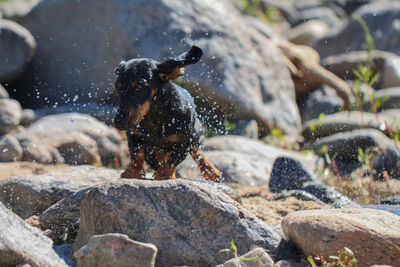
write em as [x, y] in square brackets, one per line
[10, 115]
[32, 194]
[188, 222]
[77, 138]
[17, 47]
[116, 250]
[10, 149]
[381, 18]
[21, 243]
[241, 160]
[245, 77]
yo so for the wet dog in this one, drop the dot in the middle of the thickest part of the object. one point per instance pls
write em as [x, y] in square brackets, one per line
[159, 117]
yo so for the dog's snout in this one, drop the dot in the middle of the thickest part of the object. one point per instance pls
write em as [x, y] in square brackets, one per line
[121, 120]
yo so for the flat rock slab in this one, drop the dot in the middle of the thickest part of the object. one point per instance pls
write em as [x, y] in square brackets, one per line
[188, 222]
[29, 195]
[373, 235]
[21, 243]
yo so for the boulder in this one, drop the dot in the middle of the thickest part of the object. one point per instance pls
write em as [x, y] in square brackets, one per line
[29, 195]
[391, 73]
[72, 138]
[381, 20]
[21, 243]
[347, 121]
[188, 222]
[10, 148]
[241, 160]
[323, 100]
[256, 252]
[372, 235]
[17, 47]
[10, 115]
[307, 32]
[344, 147]
[289, 174]
[116, 250]
[17, 8]
[3, 92]
[234, 76]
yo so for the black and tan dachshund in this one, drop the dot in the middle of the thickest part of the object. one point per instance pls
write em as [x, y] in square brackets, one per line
[159, 117]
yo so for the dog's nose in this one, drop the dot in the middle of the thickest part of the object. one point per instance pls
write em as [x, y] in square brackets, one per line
[120, 120]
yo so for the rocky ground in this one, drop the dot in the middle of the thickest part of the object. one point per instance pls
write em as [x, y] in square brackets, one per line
[301, 105]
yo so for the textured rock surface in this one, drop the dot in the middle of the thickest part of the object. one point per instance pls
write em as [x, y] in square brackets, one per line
[72, 138]
[245, 76]
[10, 149]
[20, 243]
[17, 47]
[381, 22]
[32, 194]
[373, 235]
[256, 252]
[10, 115]
[241, 160]
[188, 222]
[116, 250]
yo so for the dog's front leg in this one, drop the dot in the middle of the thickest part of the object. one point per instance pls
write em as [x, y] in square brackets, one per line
[208, 170]
[135, 169]
[165, 171]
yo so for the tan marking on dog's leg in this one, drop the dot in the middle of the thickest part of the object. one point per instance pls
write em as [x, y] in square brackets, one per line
[135, 169]
[208, 170]
[176, 73]
[164, 172]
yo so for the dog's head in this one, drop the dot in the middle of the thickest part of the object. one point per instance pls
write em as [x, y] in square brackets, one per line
[139, 79]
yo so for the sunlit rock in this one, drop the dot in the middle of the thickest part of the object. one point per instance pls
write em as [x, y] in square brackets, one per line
[116, 250]
[10, 115]
[71, 138]
[32, 194]
[21, 243]
[372, 235]
[241, 160]
[10, 149]
[188, 222]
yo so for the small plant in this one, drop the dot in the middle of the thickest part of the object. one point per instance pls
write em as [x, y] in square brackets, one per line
[236, 258]
[253, 8]
[344, 258]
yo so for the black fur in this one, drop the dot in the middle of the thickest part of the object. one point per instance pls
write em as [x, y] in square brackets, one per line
[171, 113]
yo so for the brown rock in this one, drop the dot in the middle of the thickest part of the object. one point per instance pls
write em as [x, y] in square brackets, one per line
[373, 235]
[116, 250]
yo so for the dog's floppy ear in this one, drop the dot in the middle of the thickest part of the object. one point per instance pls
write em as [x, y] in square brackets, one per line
[120, 67]
[173, 68]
